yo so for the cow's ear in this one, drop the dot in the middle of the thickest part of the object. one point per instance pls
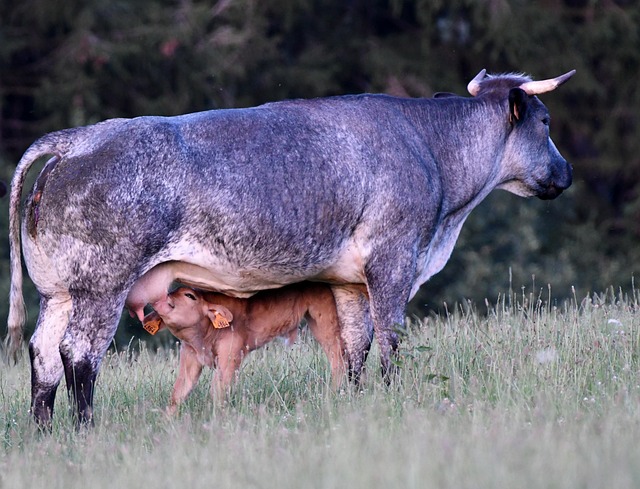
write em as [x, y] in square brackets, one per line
[518, 100]
[219, 316]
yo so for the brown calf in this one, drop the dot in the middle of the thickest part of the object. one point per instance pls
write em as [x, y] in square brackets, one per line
[218, 331]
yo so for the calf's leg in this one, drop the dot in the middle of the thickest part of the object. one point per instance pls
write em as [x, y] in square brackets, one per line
[188, 375]
[327, 333]
[322, 318]
[230, 353]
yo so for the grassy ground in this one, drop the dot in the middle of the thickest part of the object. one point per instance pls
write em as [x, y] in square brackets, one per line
[526, 394]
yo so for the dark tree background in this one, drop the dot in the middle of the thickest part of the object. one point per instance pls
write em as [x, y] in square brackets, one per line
[77, 62]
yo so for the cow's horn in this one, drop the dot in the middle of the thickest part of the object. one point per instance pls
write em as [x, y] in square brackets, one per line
[544, 86]
[474, 85]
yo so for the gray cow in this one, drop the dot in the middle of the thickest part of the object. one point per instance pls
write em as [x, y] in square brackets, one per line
[352, 190]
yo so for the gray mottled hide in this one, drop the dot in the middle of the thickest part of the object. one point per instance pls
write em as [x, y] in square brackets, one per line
[365, 189]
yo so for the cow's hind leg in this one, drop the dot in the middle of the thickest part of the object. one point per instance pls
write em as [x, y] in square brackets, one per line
[44, 352]
[92, 326]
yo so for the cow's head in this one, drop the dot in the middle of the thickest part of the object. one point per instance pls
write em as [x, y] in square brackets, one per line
[531, 163]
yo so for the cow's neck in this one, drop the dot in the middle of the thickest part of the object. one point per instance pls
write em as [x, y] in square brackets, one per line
[477, 129]
[466, 179]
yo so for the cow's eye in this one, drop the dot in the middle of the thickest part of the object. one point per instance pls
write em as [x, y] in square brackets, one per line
[546, 121]
[191, 296]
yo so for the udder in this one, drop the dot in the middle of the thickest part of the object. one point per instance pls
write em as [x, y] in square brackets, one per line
[149, 288]
[154, 285]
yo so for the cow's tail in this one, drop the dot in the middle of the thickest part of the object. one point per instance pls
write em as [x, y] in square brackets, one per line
[56, 144]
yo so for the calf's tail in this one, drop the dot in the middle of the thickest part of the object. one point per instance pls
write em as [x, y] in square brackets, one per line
[56, 144]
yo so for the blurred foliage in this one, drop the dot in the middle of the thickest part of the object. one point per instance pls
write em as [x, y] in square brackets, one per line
[71, 63]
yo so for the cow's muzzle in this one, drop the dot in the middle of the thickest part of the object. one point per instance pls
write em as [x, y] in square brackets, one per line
[559, 182]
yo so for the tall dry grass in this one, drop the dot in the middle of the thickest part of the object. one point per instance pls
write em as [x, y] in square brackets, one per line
[522, 393]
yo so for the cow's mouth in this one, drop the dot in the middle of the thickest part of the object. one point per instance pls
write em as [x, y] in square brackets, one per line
[550, 192]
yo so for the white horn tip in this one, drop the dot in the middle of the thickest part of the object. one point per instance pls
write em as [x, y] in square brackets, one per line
[544, 86]
[474, 85]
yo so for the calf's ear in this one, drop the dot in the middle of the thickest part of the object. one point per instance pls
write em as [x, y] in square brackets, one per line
[518, 101]
[152, 323]
[219, 316]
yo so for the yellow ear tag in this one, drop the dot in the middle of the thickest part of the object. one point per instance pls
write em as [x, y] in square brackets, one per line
[219, 321]
[152, 326]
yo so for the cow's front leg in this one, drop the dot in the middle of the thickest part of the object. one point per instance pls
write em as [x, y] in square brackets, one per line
[44, 353]
[389, 280]
[91, 329]
[356, 328]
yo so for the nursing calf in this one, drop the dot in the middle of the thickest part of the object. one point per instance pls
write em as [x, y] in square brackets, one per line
[218, 331]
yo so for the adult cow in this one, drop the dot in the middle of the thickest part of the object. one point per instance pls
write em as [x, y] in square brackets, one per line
[365, 189]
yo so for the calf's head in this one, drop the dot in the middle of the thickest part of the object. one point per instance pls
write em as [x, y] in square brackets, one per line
[531, 163]
[186, 307]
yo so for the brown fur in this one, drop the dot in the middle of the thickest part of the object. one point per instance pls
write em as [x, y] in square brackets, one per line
[254, 322]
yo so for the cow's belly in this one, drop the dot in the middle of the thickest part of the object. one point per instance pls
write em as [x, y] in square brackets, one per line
[236, 283]
[348, 267]
[154, 284]
[203, 270]
[198, 266]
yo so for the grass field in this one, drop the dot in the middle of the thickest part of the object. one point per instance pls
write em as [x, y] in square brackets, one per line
[524, 393]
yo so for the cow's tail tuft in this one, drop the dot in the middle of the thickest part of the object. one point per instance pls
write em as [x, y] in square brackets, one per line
[57, 144]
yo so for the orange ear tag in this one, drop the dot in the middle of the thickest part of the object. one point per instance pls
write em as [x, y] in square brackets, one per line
[219, 321]
[152, 326]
